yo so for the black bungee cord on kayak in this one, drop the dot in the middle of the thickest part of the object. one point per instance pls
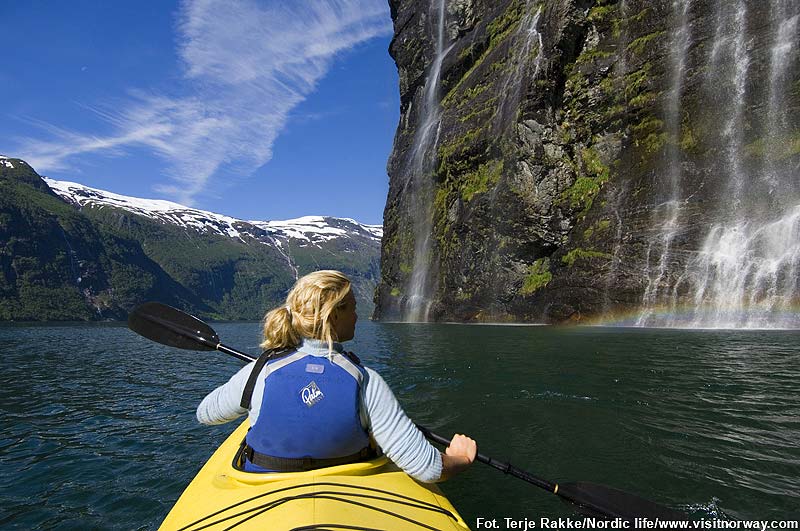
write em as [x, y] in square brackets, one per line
[329, 495]
[319, 496]
[334, 527]
[172, 327]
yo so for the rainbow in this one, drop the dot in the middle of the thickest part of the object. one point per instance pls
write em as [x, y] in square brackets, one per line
[694, 317]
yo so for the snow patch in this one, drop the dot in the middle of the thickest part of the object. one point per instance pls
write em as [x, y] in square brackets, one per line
[310, 230]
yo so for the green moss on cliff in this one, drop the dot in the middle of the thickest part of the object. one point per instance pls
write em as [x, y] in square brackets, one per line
[467, 52]
[459, 99]
[774, 149]
[583, 191]
[581, 194]
[595, 167]
[472, 93]
[481, 180]
[640, 16]
[599, 228]
[793, 146]
[539, 276]
[582, 254]
[591, 56]
[601, 13]
[637, 81]
[400, 244]
[454, 156]
[502, 26]
[649, 134]
[689, 141]
[643, 100]
[442, 227]
[489, 107]
[638, 45]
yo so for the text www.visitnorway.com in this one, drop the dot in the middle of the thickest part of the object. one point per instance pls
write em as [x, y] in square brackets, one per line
[526, 524]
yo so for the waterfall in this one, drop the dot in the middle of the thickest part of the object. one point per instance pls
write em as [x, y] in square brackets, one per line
[744, 271]
[745, 274]
[523, 72]
[420, 165]
[734, 127]
[785, 29]
[669, 210]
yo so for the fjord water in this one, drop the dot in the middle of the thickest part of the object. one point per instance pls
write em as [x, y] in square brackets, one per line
[98, 429]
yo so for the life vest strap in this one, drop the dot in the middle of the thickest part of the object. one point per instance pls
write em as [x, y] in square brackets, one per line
[267, 355]
[302, 464]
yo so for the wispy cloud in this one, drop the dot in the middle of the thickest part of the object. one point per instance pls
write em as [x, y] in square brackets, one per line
[247, 65]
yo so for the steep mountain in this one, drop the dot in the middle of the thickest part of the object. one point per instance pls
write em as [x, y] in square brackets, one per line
[558, 160]
[70, 252]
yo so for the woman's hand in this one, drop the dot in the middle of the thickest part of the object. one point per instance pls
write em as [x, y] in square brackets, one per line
[458, 456]
[462, 446]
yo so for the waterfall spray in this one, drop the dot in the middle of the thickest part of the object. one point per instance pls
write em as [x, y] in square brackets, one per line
[745, 271]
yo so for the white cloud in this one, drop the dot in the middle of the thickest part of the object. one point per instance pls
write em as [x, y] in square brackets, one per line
[247, 65]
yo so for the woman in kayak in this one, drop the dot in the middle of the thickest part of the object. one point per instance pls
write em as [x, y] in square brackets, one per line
[312, 404]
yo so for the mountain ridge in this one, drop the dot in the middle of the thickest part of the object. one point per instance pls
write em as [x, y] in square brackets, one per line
[73, 252]
[86, 196]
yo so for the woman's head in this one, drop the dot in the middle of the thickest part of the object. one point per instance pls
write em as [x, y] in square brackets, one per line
[318, 306]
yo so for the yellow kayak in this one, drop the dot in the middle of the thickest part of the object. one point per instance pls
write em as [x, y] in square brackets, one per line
[373, 495]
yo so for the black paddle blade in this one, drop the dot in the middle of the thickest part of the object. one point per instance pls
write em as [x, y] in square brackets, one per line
[169, 326]
[590, 497]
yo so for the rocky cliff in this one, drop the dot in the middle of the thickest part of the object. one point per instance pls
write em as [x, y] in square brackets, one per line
[561, 160]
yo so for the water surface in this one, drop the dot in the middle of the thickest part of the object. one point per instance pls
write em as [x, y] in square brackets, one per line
[98, 428]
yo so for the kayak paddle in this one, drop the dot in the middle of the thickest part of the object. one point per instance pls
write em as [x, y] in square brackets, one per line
[170, 326]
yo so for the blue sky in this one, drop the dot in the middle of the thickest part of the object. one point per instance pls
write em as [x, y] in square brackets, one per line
[255, 109]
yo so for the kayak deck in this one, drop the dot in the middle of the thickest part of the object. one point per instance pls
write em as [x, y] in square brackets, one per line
[373, 495]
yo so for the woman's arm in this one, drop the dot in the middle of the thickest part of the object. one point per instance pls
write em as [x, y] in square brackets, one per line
[223, 403]
[400, 439]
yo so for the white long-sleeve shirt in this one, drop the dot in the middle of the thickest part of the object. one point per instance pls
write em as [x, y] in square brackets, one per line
[388, 424]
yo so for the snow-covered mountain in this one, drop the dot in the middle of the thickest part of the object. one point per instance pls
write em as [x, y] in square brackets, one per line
[71, 252]
[307, 230]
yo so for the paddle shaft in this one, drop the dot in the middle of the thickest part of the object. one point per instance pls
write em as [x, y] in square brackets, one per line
[235, 353]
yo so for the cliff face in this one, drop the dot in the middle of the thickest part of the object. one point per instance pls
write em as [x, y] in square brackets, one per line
[580, 151]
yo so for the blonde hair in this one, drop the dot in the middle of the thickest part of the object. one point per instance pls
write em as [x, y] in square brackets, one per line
[307, 312]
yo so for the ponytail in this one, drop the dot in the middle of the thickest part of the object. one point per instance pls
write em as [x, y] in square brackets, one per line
[278, 330]
[307, 313]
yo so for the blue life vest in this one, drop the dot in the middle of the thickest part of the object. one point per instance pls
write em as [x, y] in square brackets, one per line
[310, 409]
